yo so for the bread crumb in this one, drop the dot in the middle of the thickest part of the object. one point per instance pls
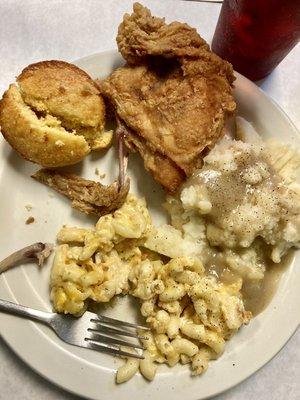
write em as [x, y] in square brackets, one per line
[59, 143]
[97, 172]
[28, 207]
[29, 220]
[104, 141]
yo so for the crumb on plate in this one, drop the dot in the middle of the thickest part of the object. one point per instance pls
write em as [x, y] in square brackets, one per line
[29, 220]
[97, 172]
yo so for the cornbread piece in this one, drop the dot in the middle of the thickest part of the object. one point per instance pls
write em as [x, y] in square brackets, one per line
[54, 115]
[41, 140]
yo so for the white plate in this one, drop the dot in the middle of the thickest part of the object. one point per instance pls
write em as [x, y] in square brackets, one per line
[91, 374]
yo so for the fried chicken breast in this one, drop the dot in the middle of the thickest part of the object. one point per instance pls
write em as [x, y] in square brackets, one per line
[173, 94]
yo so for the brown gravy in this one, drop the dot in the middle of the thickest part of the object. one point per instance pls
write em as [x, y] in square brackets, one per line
[256, 295]
[227, 191]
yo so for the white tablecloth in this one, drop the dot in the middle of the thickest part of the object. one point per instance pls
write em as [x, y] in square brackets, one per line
[34, 30]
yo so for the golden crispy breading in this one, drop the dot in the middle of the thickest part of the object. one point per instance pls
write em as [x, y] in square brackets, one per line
[163, 169]
[87, 196]
[175, 94]
[178, 116]
[141, 35]
[54, 115]
[43, 140]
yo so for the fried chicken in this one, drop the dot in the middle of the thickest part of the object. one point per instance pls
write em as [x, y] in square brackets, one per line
[174, 94]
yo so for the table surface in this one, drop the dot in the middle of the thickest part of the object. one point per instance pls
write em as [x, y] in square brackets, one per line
[35, 30]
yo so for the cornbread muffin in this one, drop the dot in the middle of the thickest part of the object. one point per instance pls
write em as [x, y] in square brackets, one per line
[54, 114]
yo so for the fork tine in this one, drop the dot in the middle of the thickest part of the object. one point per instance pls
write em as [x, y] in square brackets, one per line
[97, 337]
[106, 329]
[114, 321]
[110, 350]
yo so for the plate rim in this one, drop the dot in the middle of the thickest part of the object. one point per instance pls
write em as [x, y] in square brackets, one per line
[5, 335]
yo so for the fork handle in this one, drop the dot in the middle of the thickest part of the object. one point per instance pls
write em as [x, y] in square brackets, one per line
[27, 312]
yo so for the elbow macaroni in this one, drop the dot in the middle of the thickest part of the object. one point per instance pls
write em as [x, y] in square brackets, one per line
[129, 368]
[147, 366]
[190, 314]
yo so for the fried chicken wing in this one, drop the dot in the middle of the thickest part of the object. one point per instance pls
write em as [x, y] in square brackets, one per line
[87, 196]
[174, 94]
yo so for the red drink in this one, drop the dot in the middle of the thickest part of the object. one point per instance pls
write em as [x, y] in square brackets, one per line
[255, 35]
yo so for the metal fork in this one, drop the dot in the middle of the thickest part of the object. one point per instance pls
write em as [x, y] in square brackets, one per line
[91, 331]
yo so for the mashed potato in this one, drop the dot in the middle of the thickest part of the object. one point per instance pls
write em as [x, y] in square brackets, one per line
[242, 207]
[241, 198]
